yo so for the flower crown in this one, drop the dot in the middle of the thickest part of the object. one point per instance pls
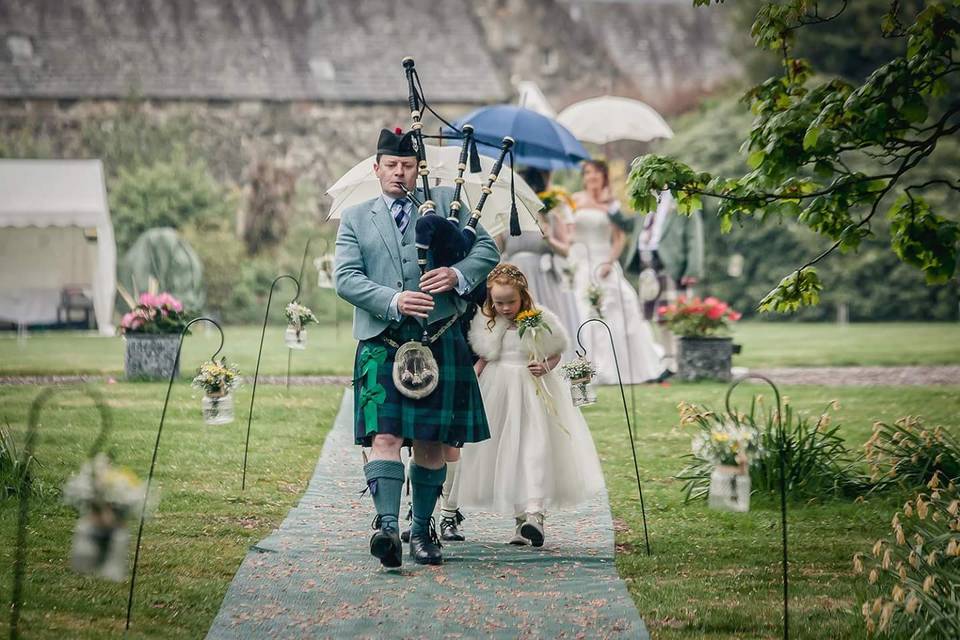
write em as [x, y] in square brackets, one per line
[508, 272]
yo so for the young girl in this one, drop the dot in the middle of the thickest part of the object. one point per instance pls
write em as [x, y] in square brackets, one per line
[540, 454]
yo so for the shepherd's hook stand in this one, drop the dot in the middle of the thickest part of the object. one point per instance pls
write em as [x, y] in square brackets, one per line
[621, 281]
[156, 448]
[33, 422]
[781, 437]
[256, 373]
[303, 262]
[582, 352]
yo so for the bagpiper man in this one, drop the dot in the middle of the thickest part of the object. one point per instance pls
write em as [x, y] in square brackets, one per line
[377, 272]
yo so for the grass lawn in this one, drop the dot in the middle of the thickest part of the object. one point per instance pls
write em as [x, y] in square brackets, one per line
[775, 344]
[69, 352]
[204, 524]
[330, 352]
[712, 575]
[716, 575]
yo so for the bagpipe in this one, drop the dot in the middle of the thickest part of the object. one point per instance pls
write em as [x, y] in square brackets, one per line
[415, 370]
[441, 237]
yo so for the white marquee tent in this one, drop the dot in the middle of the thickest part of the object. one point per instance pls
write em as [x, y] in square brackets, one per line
[55, 236]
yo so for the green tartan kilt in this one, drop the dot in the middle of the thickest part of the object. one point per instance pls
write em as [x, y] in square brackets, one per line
[452, 414]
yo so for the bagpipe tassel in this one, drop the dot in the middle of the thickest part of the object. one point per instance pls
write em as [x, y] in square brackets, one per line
[474, 157]
[514, 214]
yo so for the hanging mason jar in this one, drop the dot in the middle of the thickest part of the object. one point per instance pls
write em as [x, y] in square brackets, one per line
[580, 372]
[100, 546]
[217, 409]
[295, 337]
[730, 488]
[582, 392]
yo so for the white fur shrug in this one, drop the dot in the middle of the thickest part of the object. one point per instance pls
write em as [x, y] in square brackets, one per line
[487, 343]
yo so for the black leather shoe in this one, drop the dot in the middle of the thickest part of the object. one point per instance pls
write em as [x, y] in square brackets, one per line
[663, 377]
[385, 545]
[450, 528]
[425, 547]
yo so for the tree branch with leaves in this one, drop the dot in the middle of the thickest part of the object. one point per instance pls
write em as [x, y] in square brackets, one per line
[832, 154]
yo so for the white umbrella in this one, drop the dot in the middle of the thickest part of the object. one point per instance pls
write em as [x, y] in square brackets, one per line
[609, 118]
[360, 184]
[530, 97]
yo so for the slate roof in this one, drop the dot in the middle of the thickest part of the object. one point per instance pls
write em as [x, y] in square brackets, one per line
[328, 50]
[662, 43]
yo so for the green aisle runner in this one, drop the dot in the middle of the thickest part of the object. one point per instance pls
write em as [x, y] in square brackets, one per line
[314, 577]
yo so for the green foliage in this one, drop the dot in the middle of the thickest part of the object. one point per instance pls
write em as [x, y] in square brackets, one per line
[924, 239]
[133, 137]
[849, 45]
[827, 153]
[14, 471]
[800, 288]
[223, 257]
[165, 194]
[871, 282]
[269, 206]
[818, 464]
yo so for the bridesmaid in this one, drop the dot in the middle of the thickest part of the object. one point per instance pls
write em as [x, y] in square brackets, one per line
[542, 257]
[601, 290]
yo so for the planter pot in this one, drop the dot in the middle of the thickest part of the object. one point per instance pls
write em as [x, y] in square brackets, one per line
[295, 338]
[217, 409]
[729, 489]
[151, 356]
[704, 358]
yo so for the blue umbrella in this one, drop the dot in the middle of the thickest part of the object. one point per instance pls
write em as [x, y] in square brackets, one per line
[540, 141]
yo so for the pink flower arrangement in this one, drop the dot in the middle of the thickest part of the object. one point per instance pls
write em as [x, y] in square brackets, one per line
[163, 301]
[698, 318]
[154, 313]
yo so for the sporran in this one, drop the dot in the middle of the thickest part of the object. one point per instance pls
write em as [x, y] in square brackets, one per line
[415, 370]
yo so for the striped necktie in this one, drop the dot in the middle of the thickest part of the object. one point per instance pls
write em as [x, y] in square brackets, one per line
[399, 210]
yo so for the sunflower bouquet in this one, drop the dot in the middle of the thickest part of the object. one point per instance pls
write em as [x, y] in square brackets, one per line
[531, 320]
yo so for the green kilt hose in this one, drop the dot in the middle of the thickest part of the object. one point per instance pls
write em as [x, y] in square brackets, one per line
[452, 414]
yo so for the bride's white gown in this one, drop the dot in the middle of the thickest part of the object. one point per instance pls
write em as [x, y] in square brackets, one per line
[639, 354]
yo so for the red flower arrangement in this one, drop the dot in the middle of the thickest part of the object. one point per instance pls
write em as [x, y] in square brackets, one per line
[696, 318]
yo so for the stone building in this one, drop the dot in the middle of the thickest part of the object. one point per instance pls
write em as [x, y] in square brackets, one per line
[307, 83]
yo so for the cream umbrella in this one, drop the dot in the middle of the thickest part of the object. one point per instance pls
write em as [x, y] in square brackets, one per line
[360, 184]
[530, 97]
[610, 118]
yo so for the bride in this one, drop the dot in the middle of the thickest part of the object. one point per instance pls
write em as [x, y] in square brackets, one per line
[601, 289]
